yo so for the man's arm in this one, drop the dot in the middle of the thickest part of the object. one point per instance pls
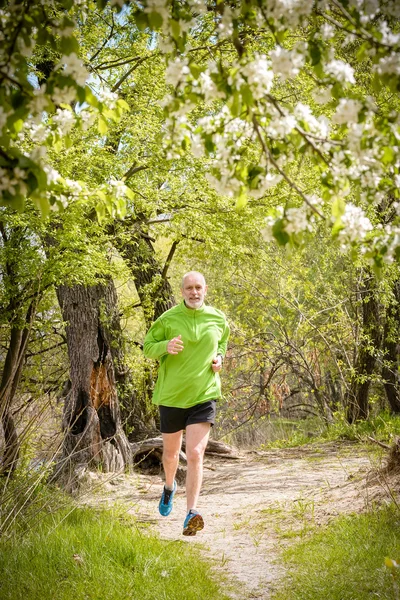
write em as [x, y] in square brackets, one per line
[223, 342]
[222, 346]
[155, 344]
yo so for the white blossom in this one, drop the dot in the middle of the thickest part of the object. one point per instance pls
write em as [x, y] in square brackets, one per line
[158, 6]
[347, 111]
[327, 32]
[74, 187]
[297, 220]
[389, 64]
[388, 37]
[259, 76]
[281, 126]
[322, 96]
[65, 120]
[355, 224]
[225, 26]
[39, 102]
[73, 66]
[290, 11]
[88, 118]
[38, 132]
[176, 70]
[341, 70]
[119, 188]
[226, 186]
[64, 95]
[286, 63]
[165, 43]
[266, 183]
[209, 88]
[52, 175]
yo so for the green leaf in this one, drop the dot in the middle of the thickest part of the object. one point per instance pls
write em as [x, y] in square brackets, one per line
[102, 126]
[155, 20]
[42, 203]
[141, 20]
[315, 52]
[241, 201]
[175, 28]
[338, 207]
[388, 155]
[129, 193]
[18, 125]
[247, 96]
[279, 233]
[123, 104]
[90, 98]
[69, 45]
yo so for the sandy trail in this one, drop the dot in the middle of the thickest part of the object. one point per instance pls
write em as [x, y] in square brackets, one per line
[249, 504]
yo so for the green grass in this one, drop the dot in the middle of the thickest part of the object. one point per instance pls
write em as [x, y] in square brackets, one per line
[383, 427]
[345, 560]
[91, 555]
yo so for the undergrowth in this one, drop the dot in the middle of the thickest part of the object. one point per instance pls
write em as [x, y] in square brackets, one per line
[345, 560]
[383, 428]
[99, 555]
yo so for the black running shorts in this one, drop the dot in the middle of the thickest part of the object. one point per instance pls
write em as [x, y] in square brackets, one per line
[176, 419]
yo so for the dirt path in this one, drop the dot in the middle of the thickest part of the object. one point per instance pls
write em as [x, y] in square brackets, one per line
[253, 506]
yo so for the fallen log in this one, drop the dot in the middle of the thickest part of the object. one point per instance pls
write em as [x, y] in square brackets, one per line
[154, 446]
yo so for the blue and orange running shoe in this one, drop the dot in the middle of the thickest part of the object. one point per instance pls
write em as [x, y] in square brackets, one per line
[167, 501]
[193, 523]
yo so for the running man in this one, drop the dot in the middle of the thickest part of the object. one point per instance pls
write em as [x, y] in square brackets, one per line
[190, 341]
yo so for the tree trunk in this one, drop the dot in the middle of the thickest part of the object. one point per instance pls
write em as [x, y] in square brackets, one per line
[12, 369]
[154, 291]
[91, 422]
[390, 347]
[156, 297]
[357, 396]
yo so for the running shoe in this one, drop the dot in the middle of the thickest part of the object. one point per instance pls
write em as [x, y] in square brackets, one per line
[193, 523]
[166, 502]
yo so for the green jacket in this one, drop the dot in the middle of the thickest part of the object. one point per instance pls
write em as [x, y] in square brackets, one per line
[186, 379]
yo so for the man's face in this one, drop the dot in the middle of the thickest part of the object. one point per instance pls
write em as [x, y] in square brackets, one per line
[194, 290]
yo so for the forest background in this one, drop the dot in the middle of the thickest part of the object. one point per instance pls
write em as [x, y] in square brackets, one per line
[255, 142]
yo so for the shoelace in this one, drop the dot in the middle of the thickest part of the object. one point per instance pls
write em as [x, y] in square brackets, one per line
[167, 495]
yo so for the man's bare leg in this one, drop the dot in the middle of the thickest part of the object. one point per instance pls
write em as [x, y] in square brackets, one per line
[171, 447]
[196, 441]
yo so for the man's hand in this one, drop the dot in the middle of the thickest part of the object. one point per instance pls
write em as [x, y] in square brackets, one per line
[175, 345]
[217, 363]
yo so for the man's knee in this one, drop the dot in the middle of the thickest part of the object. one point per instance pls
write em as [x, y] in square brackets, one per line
[195, 455]
[170, 455]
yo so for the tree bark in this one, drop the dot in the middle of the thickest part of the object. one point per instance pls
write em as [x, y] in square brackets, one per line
[11, 375]
[390, 347]
[93, 433]
[154, 291]
[371, 339]
[156, 296]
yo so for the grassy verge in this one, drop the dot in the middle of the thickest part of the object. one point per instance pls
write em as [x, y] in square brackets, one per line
[288, 434]
[89, 555]
[345, 561]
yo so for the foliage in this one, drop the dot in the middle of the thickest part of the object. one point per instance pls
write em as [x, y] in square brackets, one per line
[99, 554]
[345, 560]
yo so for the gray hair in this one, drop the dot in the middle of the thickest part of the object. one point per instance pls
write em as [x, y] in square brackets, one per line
[190, 274]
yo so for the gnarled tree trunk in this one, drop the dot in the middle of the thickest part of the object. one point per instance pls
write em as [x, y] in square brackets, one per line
[92, 422]
[156, 296]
